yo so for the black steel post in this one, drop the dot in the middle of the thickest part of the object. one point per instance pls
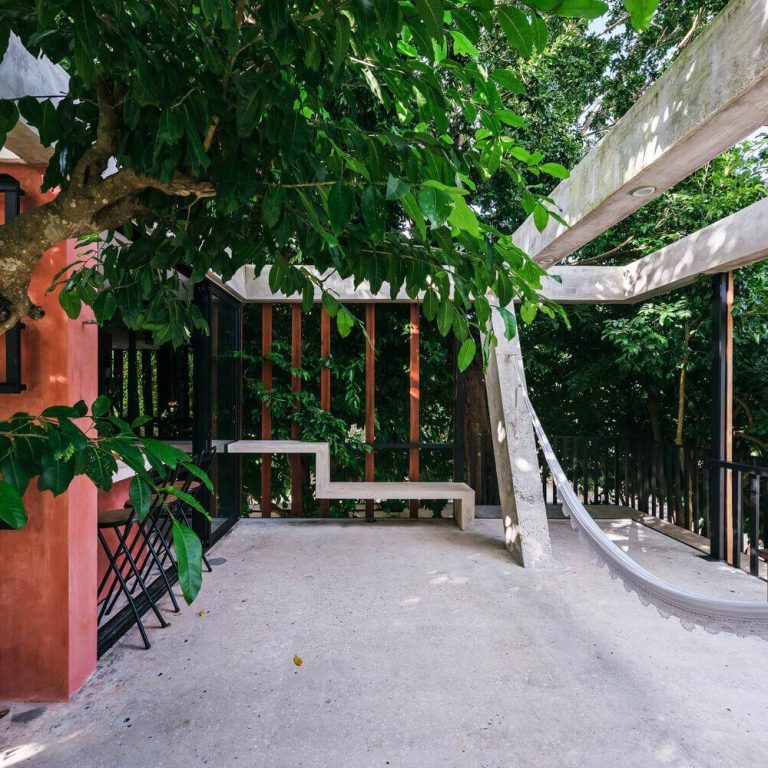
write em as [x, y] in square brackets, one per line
[459, 404]
[720, 408]
[201, 400]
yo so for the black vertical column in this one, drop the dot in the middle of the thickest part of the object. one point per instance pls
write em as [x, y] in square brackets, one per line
[459, 404]
[722, 378]
[201, 401]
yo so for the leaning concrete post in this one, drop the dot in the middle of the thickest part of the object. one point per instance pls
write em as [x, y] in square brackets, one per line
[517, 467]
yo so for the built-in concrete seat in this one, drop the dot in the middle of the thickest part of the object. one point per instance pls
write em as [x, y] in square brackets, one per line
[461, 494]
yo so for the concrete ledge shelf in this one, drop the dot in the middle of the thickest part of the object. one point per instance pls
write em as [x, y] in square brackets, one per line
[461, 494]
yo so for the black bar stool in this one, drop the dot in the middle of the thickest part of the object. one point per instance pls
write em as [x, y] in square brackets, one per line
[130, 568]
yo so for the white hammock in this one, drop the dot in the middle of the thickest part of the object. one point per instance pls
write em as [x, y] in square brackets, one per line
[713, 614]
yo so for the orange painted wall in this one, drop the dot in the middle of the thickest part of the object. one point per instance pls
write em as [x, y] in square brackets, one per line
[48, 569]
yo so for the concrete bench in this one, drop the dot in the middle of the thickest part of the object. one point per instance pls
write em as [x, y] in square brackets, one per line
[461, 494]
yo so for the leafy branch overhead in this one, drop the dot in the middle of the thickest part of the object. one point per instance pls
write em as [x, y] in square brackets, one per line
[345, 135]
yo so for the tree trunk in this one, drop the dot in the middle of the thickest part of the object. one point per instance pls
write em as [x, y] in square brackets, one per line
[653, 413]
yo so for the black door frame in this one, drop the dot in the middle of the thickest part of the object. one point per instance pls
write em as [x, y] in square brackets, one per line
[202, 438]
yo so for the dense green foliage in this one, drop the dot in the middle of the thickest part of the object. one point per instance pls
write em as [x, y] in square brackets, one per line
[351, 136]
[617, 370]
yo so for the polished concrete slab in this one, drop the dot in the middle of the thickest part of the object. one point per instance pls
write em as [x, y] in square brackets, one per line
[421, 646]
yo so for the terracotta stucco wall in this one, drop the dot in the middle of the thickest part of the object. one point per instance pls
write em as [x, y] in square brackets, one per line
[48, 569]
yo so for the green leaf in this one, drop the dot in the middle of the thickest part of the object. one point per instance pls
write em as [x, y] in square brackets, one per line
[510, 322]
[161, 453]
[540, 217]
[467, 353]
[517, 29]
[100, 406]
[100, 466]
[414, 213]
[641, 12]
[140, 494]
[330, 305]
[272, 206]
[105, 306]
[464, 218]
[586, 9]
[431, 304]
[11, 506]
[189, 559]
[373, 211]
[9, 115]
[42, 115]
[509, 117]
[341, 42]
[431, 12]
[86, 39]
[435, 205]
[187, 498]
[59, 412]
[55, 474]
[17, 469]
[445, 315]
[345, 322]
[555, 169]
[193, 469]
[540, 34]
[341, 205]
[463, 47]
[506, 79]
[528, 312]
[396, 189]
[70, 303]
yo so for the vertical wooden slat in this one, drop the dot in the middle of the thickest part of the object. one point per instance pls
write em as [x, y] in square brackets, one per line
[325, 382]
[133, 379]
[414, 402]
[370, 397]
[266, 416]
[296, 463]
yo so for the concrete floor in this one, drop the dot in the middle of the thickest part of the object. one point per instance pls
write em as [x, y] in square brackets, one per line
[422, 646]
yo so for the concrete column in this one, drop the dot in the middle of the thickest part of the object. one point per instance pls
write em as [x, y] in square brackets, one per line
[48, 569]
[523, 511]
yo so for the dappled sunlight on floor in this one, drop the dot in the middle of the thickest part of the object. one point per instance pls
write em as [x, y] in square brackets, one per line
[421, 647]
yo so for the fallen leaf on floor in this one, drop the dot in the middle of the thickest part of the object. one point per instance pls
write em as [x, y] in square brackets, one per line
[4, 711]
[201, 614]
[298, 661]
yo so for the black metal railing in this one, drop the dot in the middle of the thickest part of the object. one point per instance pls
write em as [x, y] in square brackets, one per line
[745, 484]
[664, 480]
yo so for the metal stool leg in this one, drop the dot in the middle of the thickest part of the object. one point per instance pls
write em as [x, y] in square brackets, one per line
[138, 577]
[124, 587]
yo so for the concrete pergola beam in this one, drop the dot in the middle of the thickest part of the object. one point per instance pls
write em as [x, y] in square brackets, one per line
[732, 242]
[250, 288]
[712, 96]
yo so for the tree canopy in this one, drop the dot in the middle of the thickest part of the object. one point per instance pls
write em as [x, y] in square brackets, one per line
[201, 135]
